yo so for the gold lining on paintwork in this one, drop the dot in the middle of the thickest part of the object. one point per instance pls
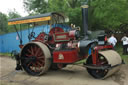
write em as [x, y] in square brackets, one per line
[30, 20]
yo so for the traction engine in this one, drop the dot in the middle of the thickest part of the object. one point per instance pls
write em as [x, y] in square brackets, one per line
[59, 48]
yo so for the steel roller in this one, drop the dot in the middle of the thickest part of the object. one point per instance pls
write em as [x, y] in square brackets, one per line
[108, 63]
[113, 59]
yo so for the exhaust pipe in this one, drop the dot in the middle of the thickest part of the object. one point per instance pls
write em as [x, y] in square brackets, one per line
[85, 43]
[85, 18]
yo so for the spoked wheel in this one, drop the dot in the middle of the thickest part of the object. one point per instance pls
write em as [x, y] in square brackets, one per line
[35, 58]
[97, 73]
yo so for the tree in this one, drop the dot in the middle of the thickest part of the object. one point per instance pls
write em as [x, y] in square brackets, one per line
[4, 28]
[36, 6]
[43, 6]
[103, 14]
[108, 14]
[13, 14]
[69, 7]
[3, 23]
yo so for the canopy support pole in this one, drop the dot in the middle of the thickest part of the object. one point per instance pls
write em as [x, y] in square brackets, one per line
[18, 35]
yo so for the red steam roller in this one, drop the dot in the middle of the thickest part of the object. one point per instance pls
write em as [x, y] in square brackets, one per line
[61, 47]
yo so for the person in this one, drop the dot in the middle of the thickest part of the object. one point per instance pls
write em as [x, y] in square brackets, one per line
[125, 44]
[112, 40]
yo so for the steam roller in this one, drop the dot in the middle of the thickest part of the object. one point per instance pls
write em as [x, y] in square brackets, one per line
[60, 47]
[108, 62]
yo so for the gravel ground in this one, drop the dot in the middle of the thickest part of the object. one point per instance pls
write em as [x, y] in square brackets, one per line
[71, 75]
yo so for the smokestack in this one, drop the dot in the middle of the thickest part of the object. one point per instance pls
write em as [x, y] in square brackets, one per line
[85, 18]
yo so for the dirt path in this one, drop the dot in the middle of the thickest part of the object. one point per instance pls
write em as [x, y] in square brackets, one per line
[71, 75]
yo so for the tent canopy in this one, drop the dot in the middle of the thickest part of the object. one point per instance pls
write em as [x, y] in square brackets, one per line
[51, 18]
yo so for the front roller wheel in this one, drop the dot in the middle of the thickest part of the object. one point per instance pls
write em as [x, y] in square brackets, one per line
[35, 58]
[97, 73]
[105, 58]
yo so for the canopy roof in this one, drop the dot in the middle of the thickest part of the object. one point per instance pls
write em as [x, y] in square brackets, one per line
[53, 17]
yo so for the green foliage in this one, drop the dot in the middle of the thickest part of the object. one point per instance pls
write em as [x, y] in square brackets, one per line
[36, 6]
[69, 7]
[43, 6]
[108, 14]
[4, 28]
[75, 16]
[3, 23]
[13, 14]
[103, 14]
[5, 54]
[119, 49]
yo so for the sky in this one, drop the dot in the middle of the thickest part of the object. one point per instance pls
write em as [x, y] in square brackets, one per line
[6, 5]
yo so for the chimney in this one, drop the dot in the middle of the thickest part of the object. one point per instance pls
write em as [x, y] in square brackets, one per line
[85, 18]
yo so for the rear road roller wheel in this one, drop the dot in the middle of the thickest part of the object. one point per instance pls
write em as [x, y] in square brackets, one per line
[105, 58]
[35, 58]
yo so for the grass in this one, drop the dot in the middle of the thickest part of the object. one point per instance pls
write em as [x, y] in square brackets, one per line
[5, 54]
[119, 49]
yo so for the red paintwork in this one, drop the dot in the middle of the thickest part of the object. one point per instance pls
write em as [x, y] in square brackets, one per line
[94, 56]
[40, 37]
[72, 34]
[70, 56]
[56, 30]
[95, 52]
[103, 47]
[58, 37]
[61, 37]
[52, 32]
[105, 38]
